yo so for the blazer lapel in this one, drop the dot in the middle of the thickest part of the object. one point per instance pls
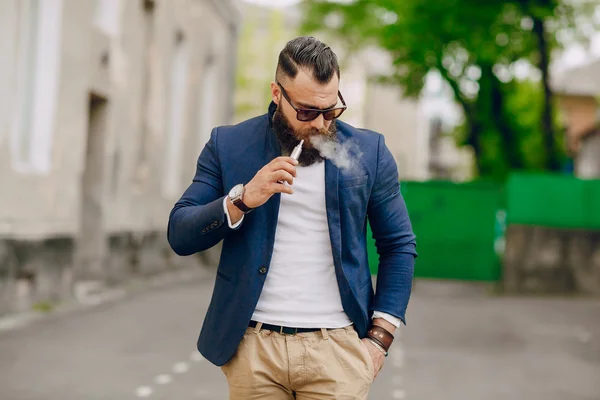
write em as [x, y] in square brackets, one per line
[332, 202]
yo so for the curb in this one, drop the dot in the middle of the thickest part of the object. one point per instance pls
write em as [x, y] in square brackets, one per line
[107, 295]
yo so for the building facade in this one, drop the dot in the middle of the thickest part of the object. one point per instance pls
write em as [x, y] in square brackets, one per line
[105, 106]
[578, 91]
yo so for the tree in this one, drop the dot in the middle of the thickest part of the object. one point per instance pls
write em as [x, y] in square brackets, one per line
[258, 50]
[475, 46]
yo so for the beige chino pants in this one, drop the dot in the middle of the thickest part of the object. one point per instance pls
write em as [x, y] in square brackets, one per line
[326, 364]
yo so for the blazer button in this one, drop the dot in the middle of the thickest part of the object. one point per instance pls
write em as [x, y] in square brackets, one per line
[263, 270]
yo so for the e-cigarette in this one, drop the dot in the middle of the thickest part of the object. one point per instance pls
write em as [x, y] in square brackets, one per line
[295, 153]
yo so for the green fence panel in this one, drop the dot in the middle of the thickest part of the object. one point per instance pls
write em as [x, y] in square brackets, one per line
[460, 227]
[553, 201]
[592, 203]
[455, 228]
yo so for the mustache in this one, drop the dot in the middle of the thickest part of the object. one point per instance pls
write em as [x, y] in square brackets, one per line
[307, 132]
[319, 144]
[289, 137]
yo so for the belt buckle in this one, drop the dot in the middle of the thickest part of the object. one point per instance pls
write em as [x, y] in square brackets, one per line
[281, 332]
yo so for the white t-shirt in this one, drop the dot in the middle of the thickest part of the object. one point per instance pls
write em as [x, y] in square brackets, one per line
[301, 289]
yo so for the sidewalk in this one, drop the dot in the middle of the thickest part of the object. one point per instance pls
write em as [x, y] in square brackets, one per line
[104, 295]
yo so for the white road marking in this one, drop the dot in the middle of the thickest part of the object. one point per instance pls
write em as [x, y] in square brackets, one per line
[399, 394]
[398, 352]
[181, 367]
[143, 391]
[397, 379]
[397, 358]
[163, 379]
[196, 357]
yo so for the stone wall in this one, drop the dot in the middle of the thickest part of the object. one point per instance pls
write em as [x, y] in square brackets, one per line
[587, 162]
[33, 271]
[550, 260]
[38, 272]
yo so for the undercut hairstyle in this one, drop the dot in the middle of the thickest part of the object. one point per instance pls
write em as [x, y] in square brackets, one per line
[310, 54]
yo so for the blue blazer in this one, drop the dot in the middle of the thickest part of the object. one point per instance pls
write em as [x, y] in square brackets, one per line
[233, 155]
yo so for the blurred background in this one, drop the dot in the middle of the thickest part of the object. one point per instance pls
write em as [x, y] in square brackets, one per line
[490, 109]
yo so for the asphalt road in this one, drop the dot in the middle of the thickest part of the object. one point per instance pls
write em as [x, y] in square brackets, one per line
[461, 343]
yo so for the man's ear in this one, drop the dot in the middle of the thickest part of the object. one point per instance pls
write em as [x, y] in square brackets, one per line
[275, 93]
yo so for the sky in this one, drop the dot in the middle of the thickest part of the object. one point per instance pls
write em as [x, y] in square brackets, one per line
[572, 57]
[273, 3]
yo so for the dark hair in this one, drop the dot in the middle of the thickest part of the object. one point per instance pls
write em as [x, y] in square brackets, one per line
[310, 53]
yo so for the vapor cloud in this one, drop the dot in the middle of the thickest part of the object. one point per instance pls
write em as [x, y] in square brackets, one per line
[344, 155]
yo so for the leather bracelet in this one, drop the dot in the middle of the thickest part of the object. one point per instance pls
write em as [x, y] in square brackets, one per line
[381, 335]
[375, 340]
[378, 346]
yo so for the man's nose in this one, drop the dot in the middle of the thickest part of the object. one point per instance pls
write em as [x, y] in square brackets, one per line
[318, 123]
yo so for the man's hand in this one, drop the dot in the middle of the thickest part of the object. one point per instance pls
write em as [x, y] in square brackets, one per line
[265, 182]
[377, 356]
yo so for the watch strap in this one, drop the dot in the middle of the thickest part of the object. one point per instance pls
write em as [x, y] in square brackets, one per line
[240, 204]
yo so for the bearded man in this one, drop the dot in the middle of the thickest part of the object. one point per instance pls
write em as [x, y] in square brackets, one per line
[293, 312]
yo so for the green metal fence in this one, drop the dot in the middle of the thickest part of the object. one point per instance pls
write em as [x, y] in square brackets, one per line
[553, 201]
[455, 227]
[460, 227]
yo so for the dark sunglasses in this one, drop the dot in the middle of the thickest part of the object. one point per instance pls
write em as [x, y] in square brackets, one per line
[309, 114]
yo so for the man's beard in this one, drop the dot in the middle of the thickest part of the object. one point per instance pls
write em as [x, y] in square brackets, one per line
[289, 138]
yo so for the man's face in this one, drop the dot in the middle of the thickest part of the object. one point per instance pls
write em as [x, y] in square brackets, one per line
[306, 92]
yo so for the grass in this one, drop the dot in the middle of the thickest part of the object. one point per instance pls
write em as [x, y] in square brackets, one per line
[43, 306]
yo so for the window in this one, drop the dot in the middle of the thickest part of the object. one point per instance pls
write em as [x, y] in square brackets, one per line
[37, 78]
[207, 103]
[176, 117]
[8, 33]
[146, 75]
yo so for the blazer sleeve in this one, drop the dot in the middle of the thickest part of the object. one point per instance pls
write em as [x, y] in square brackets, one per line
[394, 237]
[197, 222]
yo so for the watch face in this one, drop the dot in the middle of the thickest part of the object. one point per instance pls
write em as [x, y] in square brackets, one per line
[236, 192]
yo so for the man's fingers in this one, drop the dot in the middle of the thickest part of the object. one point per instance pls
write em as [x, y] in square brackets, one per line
[281, 176]
[288, 160]
[282, 165]
[279, 188]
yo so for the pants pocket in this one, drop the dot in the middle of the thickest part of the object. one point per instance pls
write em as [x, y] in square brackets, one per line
[226, 367]
[243, 343]
[363, 352]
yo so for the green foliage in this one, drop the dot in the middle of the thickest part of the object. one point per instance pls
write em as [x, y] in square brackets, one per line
[260, 42]
[525, 102]
[475, 46]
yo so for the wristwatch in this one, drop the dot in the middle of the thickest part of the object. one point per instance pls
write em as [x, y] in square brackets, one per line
[236, 194]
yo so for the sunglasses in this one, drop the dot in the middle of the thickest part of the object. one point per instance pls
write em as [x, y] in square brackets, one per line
[310, 114]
